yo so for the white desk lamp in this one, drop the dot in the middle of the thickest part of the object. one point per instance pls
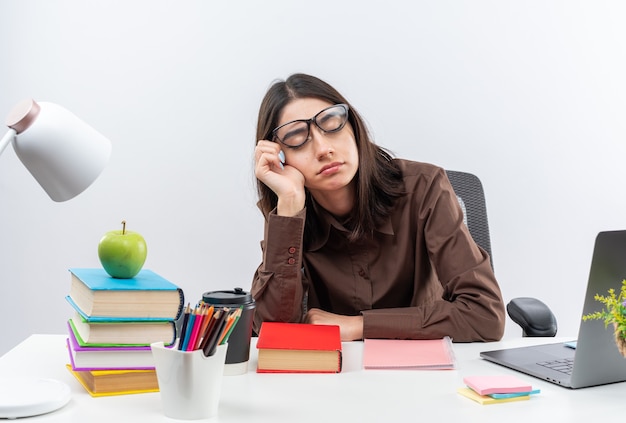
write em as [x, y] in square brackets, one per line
[65, 155]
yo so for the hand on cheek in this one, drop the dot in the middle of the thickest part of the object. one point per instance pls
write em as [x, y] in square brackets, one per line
[286, 181]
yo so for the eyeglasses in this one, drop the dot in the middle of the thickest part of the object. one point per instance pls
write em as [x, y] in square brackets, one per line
[296, 133]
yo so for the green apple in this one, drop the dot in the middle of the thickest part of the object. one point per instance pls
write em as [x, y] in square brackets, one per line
[122, 253]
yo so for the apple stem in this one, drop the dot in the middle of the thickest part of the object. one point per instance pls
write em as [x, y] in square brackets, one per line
[123, 227]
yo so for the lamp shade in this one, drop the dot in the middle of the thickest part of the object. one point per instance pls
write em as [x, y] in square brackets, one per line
[63, 153]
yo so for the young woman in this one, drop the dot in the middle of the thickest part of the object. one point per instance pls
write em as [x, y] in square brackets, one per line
[357, 238]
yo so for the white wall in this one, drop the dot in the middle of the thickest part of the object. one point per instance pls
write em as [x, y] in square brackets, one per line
[529, 95]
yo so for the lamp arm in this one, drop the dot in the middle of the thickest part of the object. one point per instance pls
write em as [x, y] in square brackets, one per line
[8, 137]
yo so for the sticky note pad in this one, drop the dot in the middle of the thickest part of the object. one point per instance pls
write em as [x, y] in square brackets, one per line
[515, 394]
[485, 399]
[497, 384]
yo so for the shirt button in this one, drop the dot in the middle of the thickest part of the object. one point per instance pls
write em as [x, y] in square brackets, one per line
[362, 273]
[291, 260]
[292, 250]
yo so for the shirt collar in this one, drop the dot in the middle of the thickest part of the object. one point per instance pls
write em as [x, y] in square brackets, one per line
[326, 220]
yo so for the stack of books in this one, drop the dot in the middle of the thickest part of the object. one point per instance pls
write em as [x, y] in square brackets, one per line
[494, 389]
[114, 322]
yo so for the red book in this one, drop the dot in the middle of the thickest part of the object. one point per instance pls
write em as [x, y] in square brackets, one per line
[298, 348]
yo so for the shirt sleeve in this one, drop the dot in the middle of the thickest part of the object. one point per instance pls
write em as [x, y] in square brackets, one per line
[277, 286]
[470, 307]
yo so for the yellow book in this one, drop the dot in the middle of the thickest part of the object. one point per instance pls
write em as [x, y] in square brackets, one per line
[99, 383]
[486, 399]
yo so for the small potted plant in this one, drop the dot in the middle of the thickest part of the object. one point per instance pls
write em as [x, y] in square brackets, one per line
[614, 313]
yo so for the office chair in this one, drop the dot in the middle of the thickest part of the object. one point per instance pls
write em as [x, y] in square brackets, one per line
[533, 316]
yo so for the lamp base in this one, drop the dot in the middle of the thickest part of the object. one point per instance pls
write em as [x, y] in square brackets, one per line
[31, 396]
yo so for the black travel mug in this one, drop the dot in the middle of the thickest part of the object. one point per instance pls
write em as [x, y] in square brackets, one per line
[238, 352]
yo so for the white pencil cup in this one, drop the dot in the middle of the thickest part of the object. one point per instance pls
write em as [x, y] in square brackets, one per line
[190, 383]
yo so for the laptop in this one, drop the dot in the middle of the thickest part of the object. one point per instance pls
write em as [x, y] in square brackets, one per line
[594, 358]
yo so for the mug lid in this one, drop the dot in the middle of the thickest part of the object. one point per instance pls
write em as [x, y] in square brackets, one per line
[235, 296]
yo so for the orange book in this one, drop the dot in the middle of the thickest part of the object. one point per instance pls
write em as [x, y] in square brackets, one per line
[422, 354]
[298, 348]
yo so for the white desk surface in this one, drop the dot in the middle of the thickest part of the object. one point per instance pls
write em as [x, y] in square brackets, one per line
[354, 395]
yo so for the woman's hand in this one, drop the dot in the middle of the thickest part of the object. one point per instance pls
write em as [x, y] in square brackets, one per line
[286, 181]
[350, 327]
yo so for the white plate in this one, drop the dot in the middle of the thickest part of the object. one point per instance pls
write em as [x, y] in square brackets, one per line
[31, 397]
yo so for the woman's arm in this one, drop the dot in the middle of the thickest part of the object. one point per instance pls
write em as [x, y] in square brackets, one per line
[277, 286]
[468, 305]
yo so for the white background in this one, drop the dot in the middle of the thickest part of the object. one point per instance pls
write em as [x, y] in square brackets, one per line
[529, 95]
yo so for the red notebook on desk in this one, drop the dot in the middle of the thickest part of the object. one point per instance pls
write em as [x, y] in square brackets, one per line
[422, 354]
[298, 348]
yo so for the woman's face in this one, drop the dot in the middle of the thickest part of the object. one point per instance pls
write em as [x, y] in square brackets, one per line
[329, 160]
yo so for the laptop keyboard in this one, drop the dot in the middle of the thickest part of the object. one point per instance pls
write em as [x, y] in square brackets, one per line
[564, 365]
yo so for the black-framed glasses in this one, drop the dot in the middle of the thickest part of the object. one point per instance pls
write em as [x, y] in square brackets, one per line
[296, 133]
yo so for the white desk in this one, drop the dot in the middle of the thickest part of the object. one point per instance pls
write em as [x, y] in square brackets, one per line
[354, 395]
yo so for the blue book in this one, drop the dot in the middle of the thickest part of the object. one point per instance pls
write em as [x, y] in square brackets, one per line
[96, 296]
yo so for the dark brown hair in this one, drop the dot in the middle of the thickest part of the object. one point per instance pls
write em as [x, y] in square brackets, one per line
[378, 179]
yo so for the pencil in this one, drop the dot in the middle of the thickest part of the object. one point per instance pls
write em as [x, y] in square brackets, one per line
[211, 344]
[199, 312]
[192, 318]
[209, 329]
[183, 328]
[229, 322]
[205, 324]
[233, 318]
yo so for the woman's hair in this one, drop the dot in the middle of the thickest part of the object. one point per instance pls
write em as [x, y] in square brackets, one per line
[378, 178]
